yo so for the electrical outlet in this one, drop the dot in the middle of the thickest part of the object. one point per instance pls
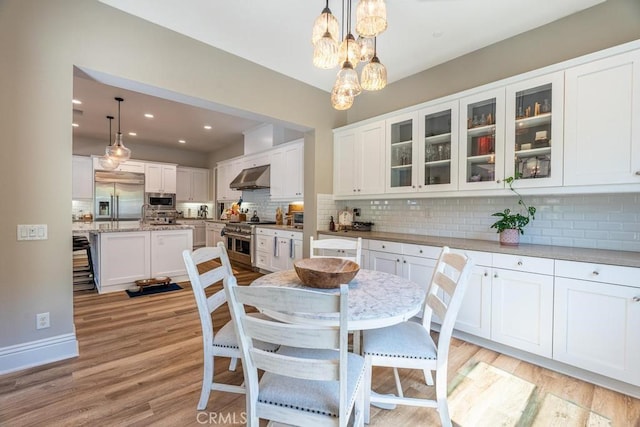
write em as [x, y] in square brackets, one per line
[42, 320]
[356, 211]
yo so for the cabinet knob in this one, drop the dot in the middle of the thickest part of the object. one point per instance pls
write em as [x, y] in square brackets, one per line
[636, 299]
[419, 186]
[520, 263]
[383, 246]
[397, 260]
[486, 274]
[596, 273]
[413, 186]
[637, 172]
[404, 261]
[354, 190]
[495, 276]
[498, 181]
[420, 250]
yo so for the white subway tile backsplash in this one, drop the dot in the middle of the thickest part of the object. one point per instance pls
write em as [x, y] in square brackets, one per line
[610, 221]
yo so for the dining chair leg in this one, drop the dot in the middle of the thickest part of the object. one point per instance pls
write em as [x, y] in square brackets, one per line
[356, 342]
[441, 397]
[428, 377]
[367, 388]
[398, 384]
[207, 379]
[233, 363]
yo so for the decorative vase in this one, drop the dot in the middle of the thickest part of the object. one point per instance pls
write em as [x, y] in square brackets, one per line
[510, 237]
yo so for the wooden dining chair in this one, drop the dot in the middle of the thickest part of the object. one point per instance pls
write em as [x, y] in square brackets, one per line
[336, 248]
[307, 381]
[224, 343]
[409, 344]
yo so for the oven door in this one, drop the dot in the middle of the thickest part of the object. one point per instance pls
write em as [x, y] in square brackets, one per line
[238, 247]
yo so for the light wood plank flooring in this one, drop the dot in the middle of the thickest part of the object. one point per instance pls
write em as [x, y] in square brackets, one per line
[140, 363]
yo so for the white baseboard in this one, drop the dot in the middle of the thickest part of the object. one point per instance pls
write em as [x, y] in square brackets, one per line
[36, 353]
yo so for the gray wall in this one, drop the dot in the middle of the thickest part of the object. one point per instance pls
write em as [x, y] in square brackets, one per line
[608, 24]
[41, 41]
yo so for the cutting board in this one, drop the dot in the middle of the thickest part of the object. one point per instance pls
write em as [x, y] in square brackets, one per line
[345, 218]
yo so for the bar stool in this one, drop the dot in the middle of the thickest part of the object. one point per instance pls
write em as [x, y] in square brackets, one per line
[83, 274]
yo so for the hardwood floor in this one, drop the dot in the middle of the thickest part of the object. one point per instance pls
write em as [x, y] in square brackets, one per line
[140, 363]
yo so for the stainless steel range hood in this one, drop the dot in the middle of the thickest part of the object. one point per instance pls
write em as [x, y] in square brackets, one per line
[252, 178]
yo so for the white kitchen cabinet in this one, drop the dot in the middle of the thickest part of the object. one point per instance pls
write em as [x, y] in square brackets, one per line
[213, 233]
[122, 258]
[481, 150]
[159, 178]
[277, 249]
[364, 254]
[413, 262]
[128, 166]
[596, 320]
[534, 131]
[436, 149]
[192, 185]
[226, 172]
[522, 303]
[199, 231]
[359, 159]
[82, 178]
[602, 121]
[166, 252]
[287, 172]
[401, 153]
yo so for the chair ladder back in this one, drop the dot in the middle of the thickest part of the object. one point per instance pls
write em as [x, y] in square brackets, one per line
[297, 367]
[303, 336]
[283, 300]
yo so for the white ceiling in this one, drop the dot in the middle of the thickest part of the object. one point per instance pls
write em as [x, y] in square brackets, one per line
[276, 34]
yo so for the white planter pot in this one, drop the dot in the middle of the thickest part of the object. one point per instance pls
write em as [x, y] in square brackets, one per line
[510, 237]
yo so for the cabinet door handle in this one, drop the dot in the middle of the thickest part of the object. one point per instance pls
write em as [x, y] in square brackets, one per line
[291, 248]
[520, 263]
[636, 299]
[596, 273]
[275, 246]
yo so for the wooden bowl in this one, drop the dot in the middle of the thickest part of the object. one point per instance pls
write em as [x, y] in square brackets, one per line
[325, 272]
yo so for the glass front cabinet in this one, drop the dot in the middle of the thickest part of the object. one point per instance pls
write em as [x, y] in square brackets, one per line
[481, 159]
[438, 148]
[402, 131]
[534, 142]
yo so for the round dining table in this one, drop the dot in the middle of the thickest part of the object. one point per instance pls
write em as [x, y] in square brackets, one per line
[376, 299]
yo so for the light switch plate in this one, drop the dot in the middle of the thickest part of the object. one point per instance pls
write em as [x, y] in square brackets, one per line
[32, 232]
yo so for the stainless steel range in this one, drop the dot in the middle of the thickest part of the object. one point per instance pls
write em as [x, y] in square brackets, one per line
[240, 238]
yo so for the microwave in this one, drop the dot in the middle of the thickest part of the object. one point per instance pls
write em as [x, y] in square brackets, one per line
[298, 218]
[161, 201]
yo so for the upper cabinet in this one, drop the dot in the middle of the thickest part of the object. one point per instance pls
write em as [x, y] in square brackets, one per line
[159, 178]
[437, 148]
[534, 131]
[227, 171]
[401, 173]
[602, 115]
[192, 185]
[287, 171]
[82, 178]
[128, 166]
[481, 148]
[359, 156]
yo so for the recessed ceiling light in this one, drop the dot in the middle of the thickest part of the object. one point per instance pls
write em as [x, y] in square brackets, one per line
[75, 125]
[437, 34]
[76, 101]
[133, 134]
[207, 127]
[148, 115]
[182, 141]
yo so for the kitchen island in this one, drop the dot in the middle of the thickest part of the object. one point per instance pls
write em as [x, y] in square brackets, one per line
[124, 252]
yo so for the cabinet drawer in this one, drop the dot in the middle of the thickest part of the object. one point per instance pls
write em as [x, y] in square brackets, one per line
[523, 263]
[262, 260]
[421, 251]
[603, 273]
[479, 258]
[382, 246]
[265, 231]
[264, 243]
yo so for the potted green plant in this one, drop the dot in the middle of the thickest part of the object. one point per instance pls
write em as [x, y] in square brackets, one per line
[511, 224]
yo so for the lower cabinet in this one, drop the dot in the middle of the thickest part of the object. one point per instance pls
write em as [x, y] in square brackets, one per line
[277, 249]
[608, 342]
[121, 258]
[213, 234]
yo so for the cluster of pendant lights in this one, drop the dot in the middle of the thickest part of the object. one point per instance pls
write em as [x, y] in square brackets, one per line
[371, 20]
[116, 152]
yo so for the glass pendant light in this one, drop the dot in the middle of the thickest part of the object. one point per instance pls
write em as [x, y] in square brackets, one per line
[366, 48]
[325, 52]
[350, 50]
[341, 102]
[325, 23]
[374, 74]
[106, 162]
[117, 150]
[347, 83]
[371, 17]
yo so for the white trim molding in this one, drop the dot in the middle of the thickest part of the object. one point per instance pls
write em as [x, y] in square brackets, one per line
[36, 353]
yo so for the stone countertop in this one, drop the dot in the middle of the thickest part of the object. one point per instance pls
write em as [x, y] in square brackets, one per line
[599, 256]
[280, 227]
[123, 226]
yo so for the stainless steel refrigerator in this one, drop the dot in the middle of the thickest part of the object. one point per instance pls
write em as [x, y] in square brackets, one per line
[119, 196]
